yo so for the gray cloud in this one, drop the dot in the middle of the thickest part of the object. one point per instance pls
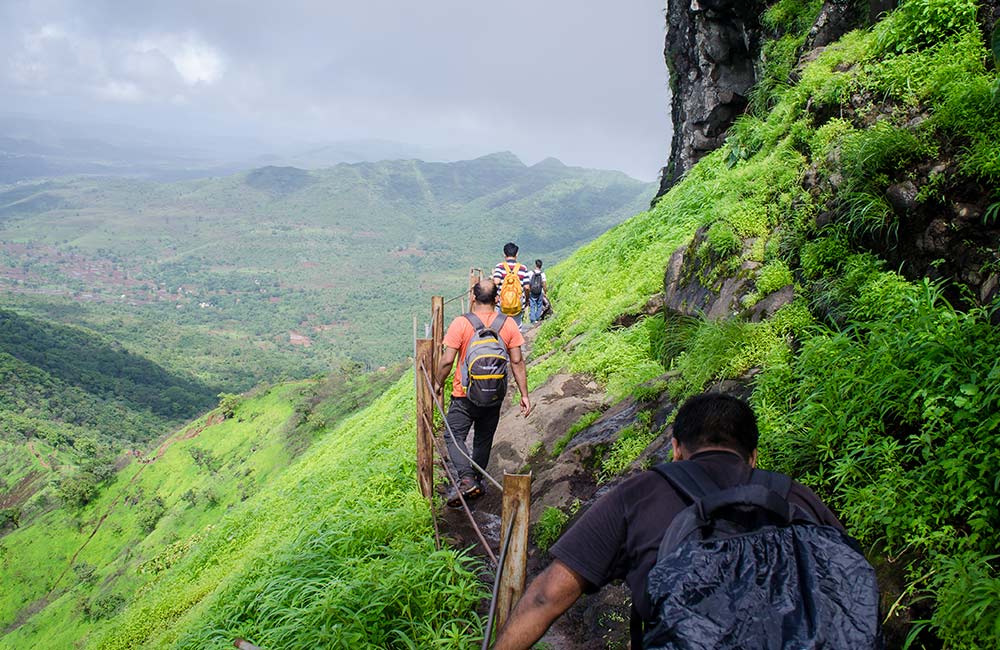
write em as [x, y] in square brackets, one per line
[582, 81]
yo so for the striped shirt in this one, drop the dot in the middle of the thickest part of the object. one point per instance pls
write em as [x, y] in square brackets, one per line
[500, 272]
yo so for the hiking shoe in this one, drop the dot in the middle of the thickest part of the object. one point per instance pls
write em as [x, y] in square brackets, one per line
[470, 489]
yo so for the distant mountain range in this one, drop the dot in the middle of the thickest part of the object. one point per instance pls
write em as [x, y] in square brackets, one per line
[32, 148]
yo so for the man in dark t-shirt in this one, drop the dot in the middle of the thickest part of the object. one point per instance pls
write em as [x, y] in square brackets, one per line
[618, 537]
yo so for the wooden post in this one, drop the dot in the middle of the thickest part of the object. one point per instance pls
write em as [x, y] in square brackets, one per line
[516, 505]
[437, 333]
[414, 339]
[425, 418]
[475, 275]
[472, 281]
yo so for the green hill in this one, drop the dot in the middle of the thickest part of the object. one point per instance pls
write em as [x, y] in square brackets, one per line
[282, 272]
[71, 401]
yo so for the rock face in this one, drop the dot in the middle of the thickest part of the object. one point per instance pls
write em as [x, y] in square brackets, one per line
[691, 286]
[713, 52]
[711, 46]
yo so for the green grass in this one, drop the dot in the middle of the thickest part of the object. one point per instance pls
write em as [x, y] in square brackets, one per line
[342, 528]
[548, 527]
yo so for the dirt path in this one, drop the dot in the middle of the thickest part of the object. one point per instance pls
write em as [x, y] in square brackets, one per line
[519, 443]
[34, 452]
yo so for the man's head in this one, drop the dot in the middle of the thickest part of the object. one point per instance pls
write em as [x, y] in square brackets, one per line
[538, 264]
[715, 421]
[510, 249]
[485, 292]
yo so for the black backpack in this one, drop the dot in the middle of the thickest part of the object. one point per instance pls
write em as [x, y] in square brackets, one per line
[743, 568]
[484, 367]
[535, 284]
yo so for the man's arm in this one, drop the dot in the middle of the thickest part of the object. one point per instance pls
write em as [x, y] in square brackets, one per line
[547, 597]
[520, 376]
[444, 368]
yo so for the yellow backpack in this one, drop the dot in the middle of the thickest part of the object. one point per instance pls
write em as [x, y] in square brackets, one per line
[511, 291]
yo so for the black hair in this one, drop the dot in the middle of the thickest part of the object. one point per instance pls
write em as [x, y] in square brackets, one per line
[510, 249]
[716, 420]
[538, 264]
[485, 297]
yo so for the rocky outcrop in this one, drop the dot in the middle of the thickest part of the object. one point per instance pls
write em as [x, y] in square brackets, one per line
[703, 284]
[713, 52]
[711, 46]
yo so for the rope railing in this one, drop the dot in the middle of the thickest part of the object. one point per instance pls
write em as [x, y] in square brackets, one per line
[464, 294]
[440, 408]
[509, 583]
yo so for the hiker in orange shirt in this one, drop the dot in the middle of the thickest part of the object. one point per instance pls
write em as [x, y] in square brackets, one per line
[485, 341]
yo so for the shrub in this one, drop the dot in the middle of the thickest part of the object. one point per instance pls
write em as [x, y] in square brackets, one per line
[151, 513]
[722, 240]
[228, 403]
[918, 24]
[549, 526]
[893, 421]
[628, 446]
[773, 276]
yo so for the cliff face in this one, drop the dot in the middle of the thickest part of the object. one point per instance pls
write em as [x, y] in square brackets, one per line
[710, 51]
[713, 53]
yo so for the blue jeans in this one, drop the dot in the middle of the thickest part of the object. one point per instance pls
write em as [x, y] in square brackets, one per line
[535, 309]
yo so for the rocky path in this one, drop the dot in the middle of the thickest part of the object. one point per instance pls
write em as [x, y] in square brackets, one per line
[525, 444]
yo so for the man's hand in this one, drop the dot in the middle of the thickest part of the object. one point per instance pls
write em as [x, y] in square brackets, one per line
[525, 405]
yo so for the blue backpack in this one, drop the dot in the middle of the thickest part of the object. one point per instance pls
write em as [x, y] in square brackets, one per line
[742, 568]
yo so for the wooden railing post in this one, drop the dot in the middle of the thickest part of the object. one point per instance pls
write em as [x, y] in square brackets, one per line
[475, 275]
[425, 417]
[437, 334]
[516, 506]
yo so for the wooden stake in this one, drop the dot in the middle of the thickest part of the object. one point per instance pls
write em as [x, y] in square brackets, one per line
[516, 505]
[437, 334]
[425, 418]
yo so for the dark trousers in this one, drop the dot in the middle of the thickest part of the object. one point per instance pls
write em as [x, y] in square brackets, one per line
[463, 415]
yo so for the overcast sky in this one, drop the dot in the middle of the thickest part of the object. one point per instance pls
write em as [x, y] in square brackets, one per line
[581, 80]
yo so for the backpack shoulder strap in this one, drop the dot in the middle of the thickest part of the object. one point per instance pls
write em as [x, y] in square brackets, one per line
[688, 478]
[782, 485]
[498, 324]
[475, 321]
[774, 481]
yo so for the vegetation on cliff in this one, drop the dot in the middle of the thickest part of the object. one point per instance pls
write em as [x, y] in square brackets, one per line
[877, 387]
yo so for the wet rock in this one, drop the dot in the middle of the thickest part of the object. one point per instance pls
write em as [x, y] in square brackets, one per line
[689, 291]
[903, 197]
[652, 307]
[966, 212]
[770, 304]
[836, 18]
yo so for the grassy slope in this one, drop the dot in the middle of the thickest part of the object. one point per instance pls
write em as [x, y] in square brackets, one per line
[911, 373]
[291, 555]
